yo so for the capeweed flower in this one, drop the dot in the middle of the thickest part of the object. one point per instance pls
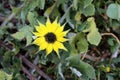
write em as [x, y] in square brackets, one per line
[50, 36]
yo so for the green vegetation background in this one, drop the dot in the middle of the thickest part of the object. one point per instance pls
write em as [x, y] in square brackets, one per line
[93, 46]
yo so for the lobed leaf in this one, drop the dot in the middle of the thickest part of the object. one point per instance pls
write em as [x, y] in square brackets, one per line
[25, 32]
[84, 68]
[5, 76]
[113, 11]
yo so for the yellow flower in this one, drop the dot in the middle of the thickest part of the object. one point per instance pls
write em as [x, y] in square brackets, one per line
[50, 36]
[107, 69]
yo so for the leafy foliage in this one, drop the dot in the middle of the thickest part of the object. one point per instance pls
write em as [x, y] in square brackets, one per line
[5, 76]
[114, 14]
[93, 40]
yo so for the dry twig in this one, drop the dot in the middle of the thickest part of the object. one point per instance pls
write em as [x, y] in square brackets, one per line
[90, 57]
[29, 64]
[28, 73]
[111, 34]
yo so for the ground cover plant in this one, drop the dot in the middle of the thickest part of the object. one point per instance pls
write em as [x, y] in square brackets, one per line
[59, 39]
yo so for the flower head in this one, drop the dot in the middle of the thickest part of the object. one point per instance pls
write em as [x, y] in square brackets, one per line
[50, 36]
[107, 69]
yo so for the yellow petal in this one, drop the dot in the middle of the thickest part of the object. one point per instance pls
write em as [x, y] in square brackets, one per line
[61, 39]
[59, 30]
[39, 27]
[38, 34]
[56, 50]
[62, 34]
[63, 25]
[42, 30]
[55, 21]
[55, 25]
[59, 45]
[39, 41]
[51, 27]
[48, 21]
[40, 24]
[49, 49]
[48, 25]
[43, 46]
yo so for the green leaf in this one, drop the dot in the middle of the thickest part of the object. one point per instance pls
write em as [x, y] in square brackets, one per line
[86, 69]
[115, 60]
[29, 38]
[18, 35]
[59, 2]
[3, 30]
[110, 77]
[82, 43]
[94, 37]
[75, 3]
[7, 56]
[114, 48]
[82, 26]
[111, 41]
[79, 43]
[89, 10]
[70, 22]
[113, 11]
[87, 2]
[25, 32]
[78, 16]
[15, 9]
[5, 76]
[28, 33]
[31, 18]
[49, 10]
[23, 16]
[32, 4]
[42, 4]
[56, 13]
[115, 24]
[74, 59]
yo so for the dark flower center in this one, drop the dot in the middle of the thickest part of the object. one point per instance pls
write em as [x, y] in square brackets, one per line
[50, 37]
